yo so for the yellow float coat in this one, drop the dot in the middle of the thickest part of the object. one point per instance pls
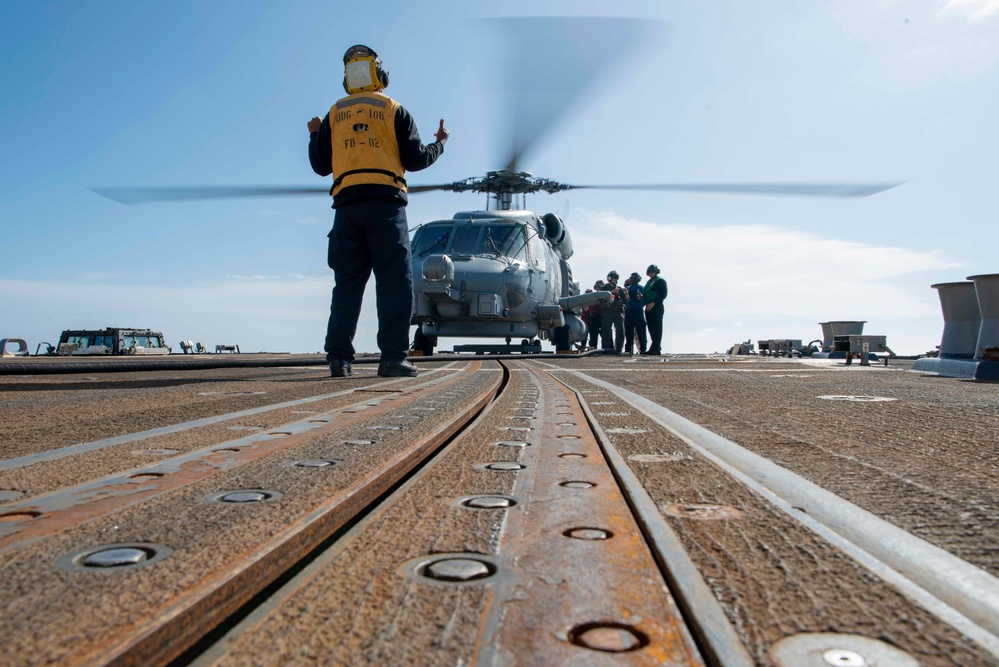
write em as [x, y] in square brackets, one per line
[364, 144]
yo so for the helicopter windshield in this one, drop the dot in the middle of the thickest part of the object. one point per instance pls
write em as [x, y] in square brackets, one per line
[470, 240]
[506, 240]
[430, 239]
[498, 240]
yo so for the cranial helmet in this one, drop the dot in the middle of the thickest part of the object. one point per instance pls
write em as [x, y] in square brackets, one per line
[362, 70]
[635, 278]
[613, 274]
[652, 269]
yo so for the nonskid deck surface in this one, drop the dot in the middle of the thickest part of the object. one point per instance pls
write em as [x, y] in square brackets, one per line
[604, 510]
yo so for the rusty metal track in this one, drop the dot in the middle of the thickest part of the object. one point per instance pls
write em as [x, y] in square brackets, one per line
[82, 448]
[706, 619]
[161, 632]
[568, 580]
[53, 512]
[581, 575]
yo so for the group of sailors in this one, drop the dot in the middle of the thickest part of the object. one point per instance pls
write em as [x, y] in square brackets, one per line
[634, 316]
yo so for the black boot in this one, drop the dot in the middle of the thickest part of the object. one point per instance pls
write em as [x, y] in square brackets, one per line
[339, 368]
[396, 368]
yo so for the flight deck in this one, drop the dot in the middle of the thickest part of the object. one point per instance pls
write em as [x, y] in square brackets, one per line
[514, 510]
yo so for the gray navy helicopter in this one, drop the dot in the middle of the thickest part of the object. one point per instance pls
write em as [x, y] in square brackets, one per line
[503, 272]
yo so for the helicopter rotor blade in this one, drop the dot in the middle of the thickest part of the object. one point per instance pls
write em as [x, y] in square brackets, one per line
[551, 61]
[417, 189]
[789, 189]
[146, 195]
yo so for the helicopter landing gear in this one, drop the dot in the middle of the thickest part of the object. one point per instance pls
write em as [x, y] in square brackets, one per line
[422, 344]
[562, 338]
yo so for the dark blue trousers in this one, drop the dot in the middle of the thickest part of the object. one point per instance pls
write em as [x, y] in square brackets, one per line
[634, 323]
[654, 318]
[370, 236]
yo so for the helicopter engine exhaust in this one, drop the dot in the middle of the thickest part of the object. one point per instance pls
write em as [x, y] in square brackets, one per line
[558, 234]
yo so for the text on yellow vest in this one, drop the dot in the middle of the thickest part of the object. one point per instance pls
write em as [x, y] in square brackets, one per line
[365, 148]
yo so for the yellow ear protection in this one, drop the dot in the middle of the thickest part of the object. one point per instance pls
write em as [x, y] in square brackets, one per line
[363, 70]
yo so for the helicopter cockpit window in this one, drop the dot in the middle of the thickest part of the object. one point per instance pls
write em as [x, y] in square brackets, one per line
[507, 240]
[430, 240]
[466, 241]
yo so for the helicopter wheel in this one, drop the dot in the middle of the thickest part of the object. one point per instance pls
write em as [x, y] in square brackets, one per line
[562, 338]
[423, 343]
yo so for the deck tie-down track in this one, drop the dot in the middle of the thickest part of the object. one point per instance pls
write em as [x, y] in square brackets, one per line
[517, 543]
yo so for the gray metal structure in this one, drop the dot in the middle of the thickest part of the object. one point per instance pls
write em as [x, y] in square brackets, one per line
[969, 347]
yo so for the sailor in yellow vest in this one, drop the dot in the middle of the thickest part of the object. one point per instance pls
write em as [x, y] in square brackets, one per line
[368, 142]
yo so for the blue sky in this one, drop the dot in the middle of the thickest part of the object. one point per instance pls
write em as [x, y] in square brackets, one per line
[99, 94]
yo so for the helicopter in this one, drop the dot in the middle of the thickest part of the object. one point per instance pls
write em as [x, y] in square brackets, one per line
[504, 272]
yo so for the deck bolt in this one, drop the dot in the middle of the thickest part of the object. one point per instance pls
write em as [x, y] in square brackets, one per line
[513, 443]
[809, 647]
[243, 497]
[571, 455]
[607, 638]
[489, 502]
[457, 569]
[121, 556]
[314, 463]
[505, 466]
[116, 557]
[145, 475]
[843, 658]
[578, 485]
[588, 534]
